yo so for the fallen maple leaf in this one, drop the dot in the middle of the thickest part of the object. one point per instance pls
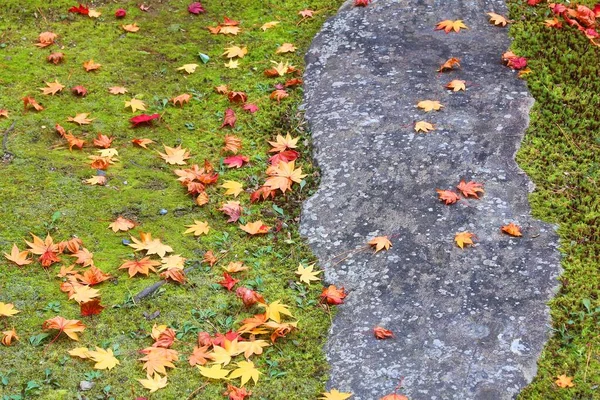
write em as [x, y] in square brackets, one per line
[215, 372]
[278, 95]
[333, 295]
[79, 91]
[198, 228]
[307, 275]
[142, 142]
[121, 224]
[181, 99]
[245, 371]
[117, 90]
[463, 239]
[8, 337]
[456, 85]
[232, 209]
[251, 108]
[135, 104]
[46, 39]
[394, 396]
[99, 180]
[56, 58]
[143, 118]
[449, 25]
[154, 382]
[382, 333]
[228, 281]
[151, 246]
[196, 8]
[30, 101]
[380, 243]
[430, 105]
[18, 257]
[275, 309]
[497, 19]
[46, 249]
[175, 155]
[447, 196]
[189, 68]
[232, 64]
[249, 297]
[269, 25]
[422, 126]
[90, 65]
[255, 228]
[143, 266]
[286, 48]
[104, 358]
[103, 141]
[52, 88]
[512, 229]
[120, 13]
[229, 118]
[235, 51]
[130, 27]
[553, 23]
[470, 188]
[282, 143]
[199, 356]
[233, 187]
[71, 327]
[81, 9]
[232, 144]
[3, 113]
[564, 381]
[335, 394]
[283, 175]
[83, 294]
[8, 309]
[235, 393]
[361, 3]
[92, 307]
[236, 161]
[81, 119]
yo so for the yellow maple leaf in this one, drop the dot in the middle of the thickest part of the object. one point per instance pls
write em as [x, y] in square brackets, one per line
[275, 309]
[269, 25]
[307, 274]
[198, 228]
[83, 294]
[463, 239]
[429, 105]
[175, 155]
[154, 383]
[233, 187]
[245, 371]
[380, 243]
[90, 65]
[96, 180]
[449, 25]
[564, 381]
[497, 19]
[7, 309]
[52, 88]
[456, 85]
[81, 352]
[131, 27]
[283, 175]
[422, 126]
[286, 48]
[232, 64]
[189, 68]
[81, 119]
[135, 104]
[94, 13]
[235, 51]
[252, 347]
[214, 372]
[104, 358]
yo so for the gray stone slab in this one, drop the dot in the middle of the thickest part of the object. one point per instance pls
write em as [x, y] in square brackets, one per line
[469, 323]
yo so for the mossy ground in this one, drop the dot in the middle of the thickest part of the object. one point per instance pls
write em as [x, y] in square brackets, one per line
[561, 154]
[41, 190]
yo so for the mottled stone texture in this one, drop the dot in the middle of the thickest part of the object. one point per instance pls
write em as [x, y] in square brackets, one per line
[470, 323]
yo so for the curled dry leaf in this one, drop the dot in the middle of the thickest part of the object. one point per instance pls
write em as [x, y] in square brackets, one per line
[9, 336]
[422, 126]
[56, 58]
[449, 65]
[382, 333]
[512, 230]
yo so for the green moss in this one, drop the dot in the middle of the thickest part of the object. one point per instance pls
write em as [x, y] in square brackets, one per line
[561, 155]
[45, 178]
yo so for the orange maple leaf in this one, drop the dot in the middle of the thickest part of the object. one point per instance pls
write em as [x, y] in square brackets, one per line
[52, 88]
[130, 27]
[232, 144]
[157, 359]
[103, 141]
[117, 90]
[143, 266]
[142, 142]
[71, 327]
[463, 239]
[90, 65]
[46, 39]
[449, 64]
[564, 381]
[8, 337]
[380, 243]
[30, 101]
[46, 249]
[81, 119]
[470, 188]
[175, 155]
[18, 257]
[512, 229]
[283, 176]
[199, 356]
[255, 228]
[447, 196]
[181, 99]
[449, 25]
[279, 95]
[333, 295]
[382, 333]
[92, 276]
[121, 224]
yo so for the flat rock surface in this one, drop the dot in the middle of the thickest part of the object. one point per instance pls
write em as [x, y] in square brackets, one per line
[468, 324]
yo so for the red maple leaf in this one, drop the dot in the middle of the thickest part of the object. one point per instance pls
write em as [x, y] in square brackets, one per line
[251, 108]
[79, 91]
[333, 295]
[143, 118]
[83, 10]
[92, 307]
[363, 3]
[229, 119]
[196, 8]
[285, 156]
[249, 296]
[228, 281]
[236, 161]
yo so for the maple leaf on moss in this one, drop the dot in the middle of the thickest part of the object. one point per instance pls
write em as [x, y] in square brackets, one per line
[117, 90]
[132, 28]
[83, 294]
[215, 372]
[245, 371]
[121, 224]
[30, 101]
[181, 99]
[9, 336]
[275, 309]
[189, 68]
[90, 65]
[46, 39]
[198, 228]
[235, 51]
[283, 175]
[282, 143]
[255, 228]
[232, 209]
[286, 48]
[450, 25]
[143, 266]
[157, 359]
[142, 142]
[143, 119]
[92, 307]
[81, 119]
[199, 356]
[18, 257]
[8, 309]
[175, 155]
[564, 381]
[306, 274]
[52, 88]
[233, 144]
[135, 104]
[154, 383]
[233, 187]
[71, 327]
[228, 282]
[104, 358]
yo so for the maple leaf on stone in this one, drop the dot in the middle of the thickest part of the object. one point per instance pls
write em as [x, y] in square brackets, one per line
[92, 307]
[154, 383]
[8, 337]
[229, 119]
[198, 228]
[470, 189]
[189, 68]
[142, 142]
[181, 99]
[286, 48]
[55, 58]
[380, 243]
[456, 85]
[143, 119]
[283, 176]
[135, 104]
[175, 155]
[19, 257]
[228, 281]
[90, 65]
[235, 51]
[447, 196]
[382, 333]
[394, 396]
[46, 39]
[103, 141]
[46, 249]
[232, 209]
[79, 91]
[333, 295]
[512, 229]
[235, 161]
[306, 274]
[361, 3]
[104, 358]
[463, 239]
[497, 19]
[81, 119]
[335, 394]
[282, 143]
[8, 310]
[517, 63]
[71, 327]
[564, 381]
[121, 224]
[117, 90]
[130, 27]
[430, 105]
[196, 8]
[450, 25]
[233, 144]
[233, 187]
[269, 25]
[143, 266]
[30, 101]
[422, 126]
[52, 88]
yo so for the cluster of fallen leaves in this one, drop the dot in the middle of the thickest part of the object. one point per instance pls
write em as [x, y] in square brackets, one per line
[578, 16]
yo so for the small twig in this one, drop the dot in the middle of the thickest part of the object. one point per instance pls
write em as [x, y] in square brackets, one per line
[5, 138]
[195, 392]
[587, 363]
[568, 137]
